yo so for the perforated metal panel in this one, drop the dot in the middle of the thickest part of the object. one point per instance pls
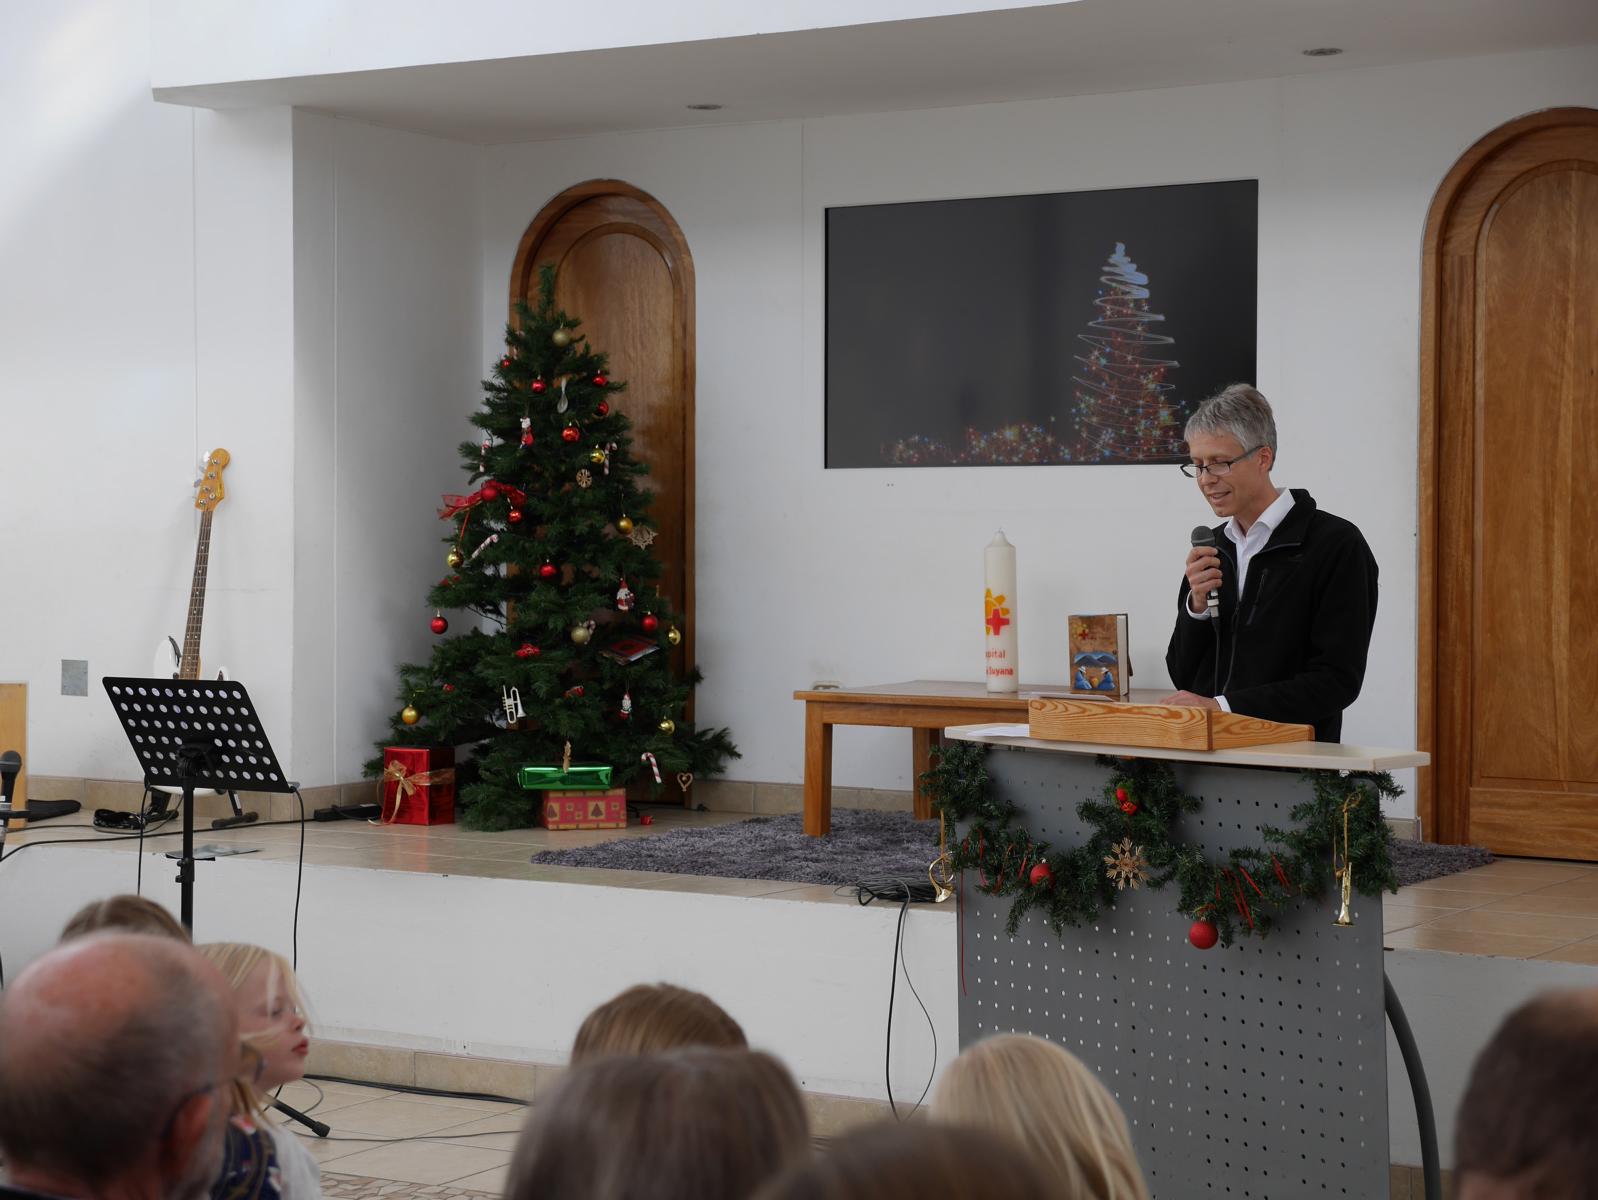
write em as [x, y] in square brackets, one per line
[1259, 1070]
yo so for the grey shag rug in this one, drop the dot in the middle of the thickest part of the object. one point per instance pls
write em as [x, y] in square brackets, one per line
[864, 845]
[1416, 862]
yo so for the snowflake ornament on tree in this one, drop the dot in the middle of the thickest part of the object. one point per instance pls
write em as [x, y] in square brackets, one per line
[1127, 868]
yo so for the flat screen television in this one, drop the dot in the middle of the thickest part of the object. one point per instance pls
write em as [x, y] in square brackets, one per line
[1073, 328]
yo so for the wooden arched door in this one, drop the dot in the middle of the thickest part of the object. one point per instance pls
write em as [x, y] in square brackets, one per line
[1508, 661]
[624, 270]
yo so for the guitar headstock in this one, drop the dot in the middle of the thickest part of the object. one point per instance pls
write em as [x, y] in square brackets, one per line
[210, 488]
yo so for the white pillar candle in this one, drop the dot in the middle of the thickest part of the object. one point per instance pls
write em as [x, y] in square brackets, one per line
[998, 616]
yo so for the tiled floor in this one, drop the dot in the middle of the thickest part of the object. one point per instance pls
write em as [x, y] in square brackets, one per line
[440, 1146]
[1512, 908]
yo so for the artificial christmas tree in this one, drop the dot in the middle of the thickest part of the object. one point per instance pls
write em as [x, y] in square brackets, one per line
[572, 645]
[1124, 411]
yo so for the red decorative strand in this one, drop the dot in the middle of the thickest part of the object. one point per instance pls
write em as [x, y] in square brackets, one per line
[1244, 872]
[1281, 876]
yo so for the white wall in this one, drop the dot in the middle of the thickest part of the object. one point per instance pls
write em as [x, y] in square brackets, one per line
[199, 41]
[387, 323]
[872, 575]
[303, 292]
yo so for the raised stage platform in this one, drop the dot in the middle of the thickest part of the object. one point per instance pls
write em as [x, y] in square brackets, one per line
[448, 952]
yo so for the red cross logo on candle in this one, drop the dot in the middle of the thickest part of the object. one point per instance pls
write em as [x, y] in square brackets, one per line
[998, 614]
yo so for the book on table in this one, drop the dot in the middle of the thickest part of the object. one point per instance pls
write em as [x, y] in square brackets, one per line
[1099, 663]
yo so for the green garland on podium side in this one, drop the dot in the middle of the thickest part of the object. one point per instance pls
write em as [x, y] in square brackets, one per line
[1132, 845]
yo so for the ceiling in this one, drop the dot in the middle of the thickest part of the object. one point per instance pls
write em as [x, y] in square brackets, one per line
[1080, 48]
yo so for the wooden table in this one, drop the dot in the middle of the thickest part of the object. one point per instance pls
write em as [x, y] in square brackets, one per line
[924, 706]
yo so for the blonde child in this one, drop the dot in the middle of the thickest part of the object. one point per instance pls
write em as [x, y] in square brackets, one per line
[272, 1023]
[1045, 1098]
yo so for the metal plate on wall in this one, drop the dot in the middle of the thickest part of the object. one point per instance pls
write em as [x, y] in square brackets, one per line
[1257, 1070]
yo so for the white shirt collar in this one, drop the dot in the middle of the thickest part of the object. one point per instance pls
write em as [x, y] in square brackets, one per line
[1273, 516]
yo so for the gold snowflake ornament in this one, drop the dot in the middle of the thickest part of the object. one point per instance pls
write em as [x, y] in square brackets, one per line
[1126, 865]
[585, 478]
[641, 537]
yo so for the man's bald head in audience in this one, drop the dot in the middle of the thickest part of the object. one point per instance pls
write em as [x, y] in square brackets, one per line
[112, 1048]
[1525, 1127]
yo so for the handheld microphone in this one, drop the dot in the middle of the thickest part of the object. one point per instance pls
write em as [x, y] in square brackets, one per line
[1204, 536]
[10, 767]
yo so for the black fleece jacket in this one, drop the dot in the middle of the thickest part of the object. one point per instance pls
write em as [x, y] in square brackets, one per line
[1293, 647]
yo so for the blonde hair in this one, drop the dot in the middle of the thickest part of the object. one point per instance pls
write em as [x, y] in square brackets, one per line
[124, 914]
[236, 960]
[884, 1161]
[1046, 1098]
[652, 1018]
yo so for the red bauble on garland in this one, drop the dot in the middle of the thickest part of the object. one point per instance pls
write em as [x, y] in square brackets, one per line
[490, 490]
[504, 362]
[1203, 934]
[570, 434]
[1128, 807]
[650, 622]
[547, 571]
[1041, 876]
[514, 516]
[538, 385]
[602, 409]
[527, 650]
[438, 624]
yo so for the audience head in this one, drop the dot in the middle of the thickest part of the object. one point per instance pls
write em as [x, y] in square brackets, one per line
[271, 1016]
[699, 1124]
[913, 1161]
[654, 1017]
[1047, 1099]
[129, 914]
[1525, 1127]
[113, 1051]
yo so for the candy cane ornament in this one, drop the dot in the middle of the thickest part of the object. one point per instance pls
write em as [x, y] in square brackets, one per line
[654, 767]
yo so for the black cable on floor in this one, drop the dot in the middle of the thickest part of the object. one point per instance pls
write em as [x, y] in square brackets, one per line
[905, 892]
[299, 880]
[410, 1089]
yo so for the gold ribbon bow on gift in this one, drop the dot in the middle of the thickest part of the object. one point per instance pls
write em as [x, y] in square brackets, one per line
[405, 784]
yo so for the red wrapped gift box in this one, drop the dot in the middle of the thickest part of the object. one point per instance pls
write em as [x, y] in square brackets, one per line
[418, 785]
[586, 810]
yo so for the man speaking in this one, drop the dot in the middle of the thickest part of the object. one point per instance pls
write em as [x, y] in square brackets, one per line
[1278, 603]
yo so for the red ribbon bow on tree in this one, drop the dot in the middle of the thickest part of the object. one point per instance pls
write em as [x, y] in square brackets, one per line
[455, 505]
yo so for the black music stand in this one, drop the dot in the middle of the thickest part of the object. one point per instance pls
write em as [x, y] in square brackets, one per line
[195, 734]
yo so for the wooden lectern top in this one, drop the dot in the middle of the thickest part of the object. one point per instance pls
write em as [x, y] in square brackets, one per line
[1086, 720]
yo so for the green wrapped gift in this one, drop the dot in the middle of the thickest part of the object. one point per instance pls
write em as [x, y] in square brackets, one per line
[571, 779]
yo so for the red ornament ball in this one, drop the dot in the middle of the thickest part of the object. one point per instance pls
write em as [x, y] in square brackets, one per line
[538, 385]
[1120, 794]
[1203, 934]
[646, 819]
[490, 490]
[449, 687]
[514, 516]
[526, 650]
[1041, 876]
[438, 624]
[602, 408]
[600, 381]
[650, 622]
[1128, 807]
[570, 434]
[504, 362]
[547, 571]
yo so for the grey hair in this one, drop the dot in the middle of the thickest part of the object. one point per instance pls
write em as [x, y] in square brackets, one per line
[1237, 410]
[90, 1102]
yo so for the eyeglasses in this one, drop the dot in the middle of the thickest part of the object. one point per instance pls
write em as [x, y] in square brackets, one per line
[1216, 470]
[251, 1064]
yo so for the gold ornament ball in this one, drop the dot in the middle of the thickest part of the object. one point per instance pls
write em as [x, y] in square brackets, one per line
[596, 456]
[674, 636]
[668, 726]
[561, 338]
[454, 559]
[409, 715]
[580, 634]
[625, 525]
